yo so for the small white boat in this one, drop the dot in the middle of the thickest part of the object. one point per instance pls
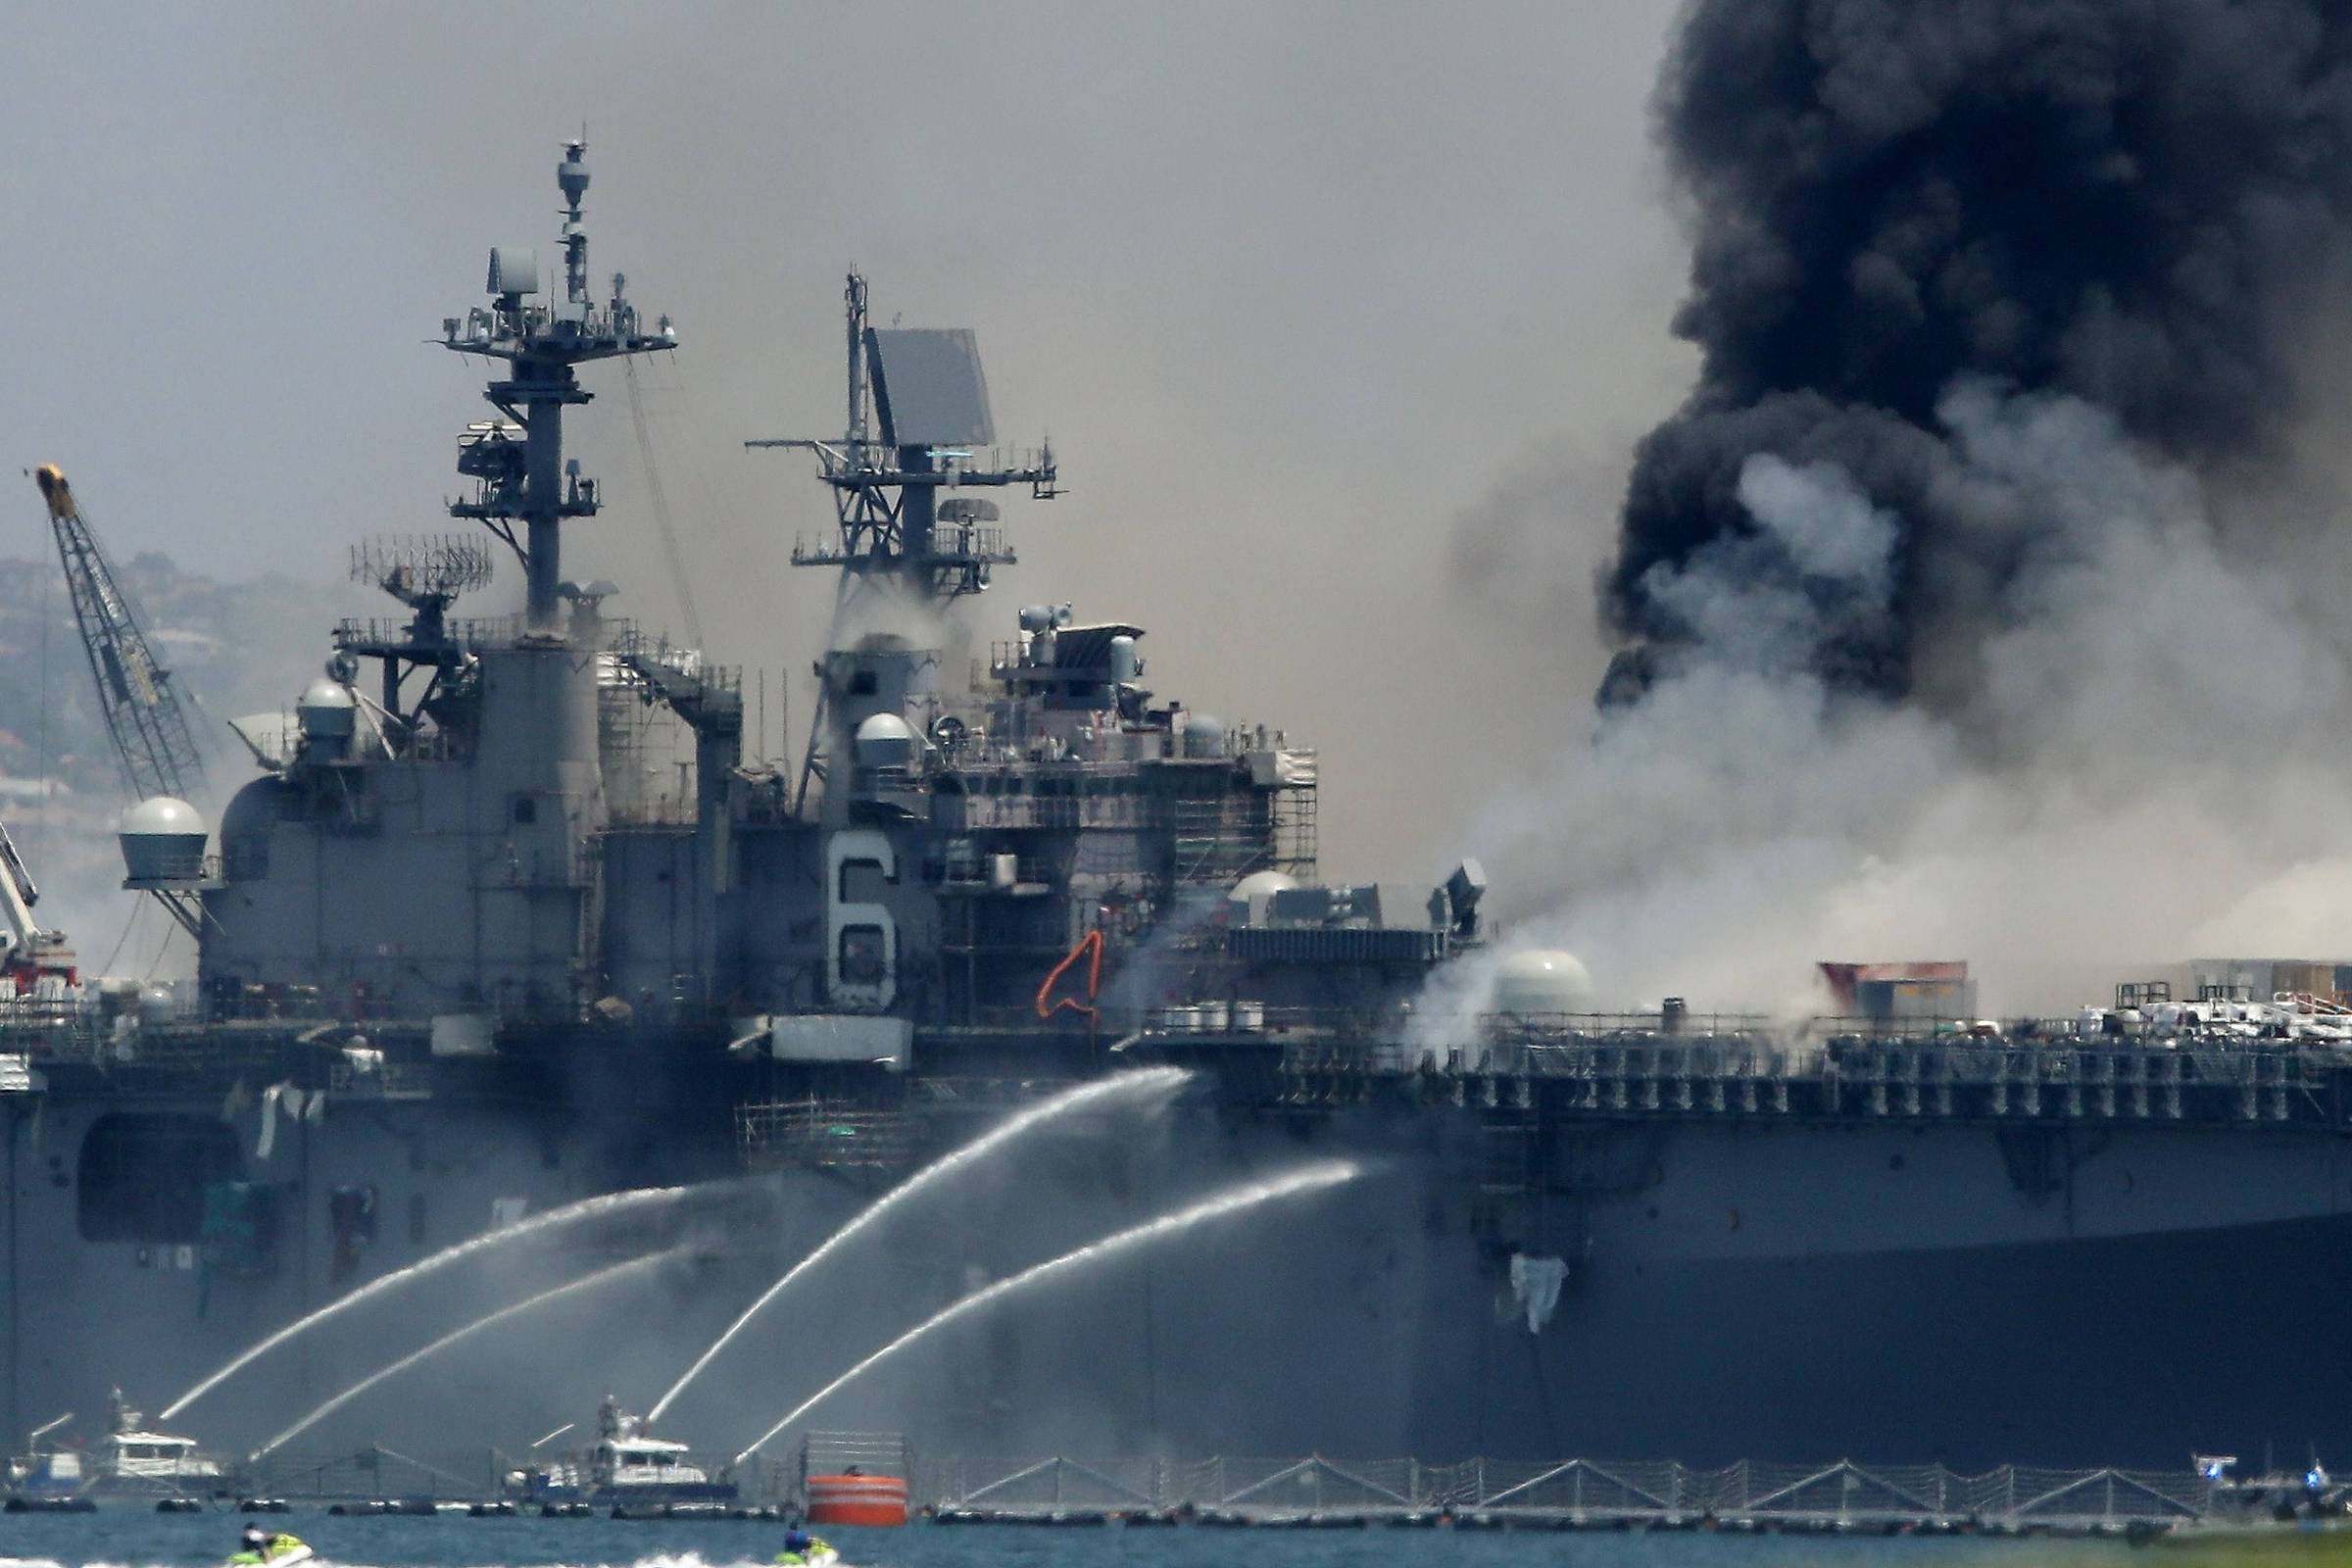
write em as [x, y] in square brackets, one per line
[128, 1459]
[628, 1466]
[133, 1458]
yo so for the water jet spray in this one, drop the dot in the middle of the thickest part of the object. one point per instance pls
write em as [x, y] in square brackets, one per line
[1149, 1081]
[1312, 1178]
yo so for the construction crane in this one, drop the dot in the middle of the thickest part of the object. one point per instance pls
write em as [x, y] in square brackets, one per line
[152, 737]
[35, 963]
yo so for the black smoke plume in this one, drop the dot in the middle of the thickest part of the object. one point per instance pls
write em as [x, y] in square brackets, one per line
[2123, 202]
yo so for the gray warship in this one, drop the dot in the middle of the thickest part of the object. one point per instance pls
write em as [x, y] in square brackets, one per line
[506, 918]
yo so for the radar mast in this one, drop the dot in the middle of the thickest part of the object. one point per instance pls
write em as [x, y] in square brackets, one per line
[917, 424]
[517, 462]
[922, 390]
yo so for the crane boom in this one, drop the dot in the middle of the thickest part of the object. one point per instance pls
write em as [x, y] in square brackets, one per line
[152, 737]
[33, 963]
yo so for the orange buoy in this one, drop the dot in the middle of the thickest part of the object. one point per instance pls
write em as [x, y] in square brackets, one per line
[857, 1501]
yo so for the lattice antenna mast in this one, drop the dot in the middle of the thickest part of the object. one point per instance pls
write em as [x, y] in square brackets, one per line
[153, 739]
[522, 480]
[425, 572]
[923, 390]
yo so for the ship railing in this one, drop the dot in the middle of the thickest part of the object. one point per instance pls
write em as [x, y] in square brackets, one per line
[470, 633]
[1022, 1018]
[1706, 1056]
[1240, 1016]
[185, 872]
[1939, 1077]
[23, 1020]
[1472, 1037]
[1547, 1026]
[2316, 1033]
[201, 1052]
[653, 810]
[979, 812]
[1467, 1039]
[1028, 870]
[823, 1135]
[641, 657]
[951, 544]
[1305, 1058]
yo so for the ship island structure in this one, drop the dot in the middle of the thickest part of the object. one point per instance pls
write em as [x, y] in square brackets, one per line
[505, 918]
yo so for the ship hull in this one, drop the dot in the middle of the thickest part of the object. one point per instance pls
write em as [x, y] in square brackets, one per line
[1900, 1293]
[2137, 1350]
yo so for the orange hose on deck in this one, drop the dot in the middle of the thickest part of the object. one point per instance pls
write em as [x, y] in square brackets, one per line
[1048, 1005]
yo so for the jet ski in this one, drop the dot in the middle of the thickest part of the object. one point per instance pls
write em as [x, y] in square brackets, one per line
[282, 1551]
[816, 1554]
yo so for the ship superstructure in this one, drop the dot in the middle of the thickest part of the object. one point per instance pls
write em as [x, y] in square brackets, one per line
[507, 919]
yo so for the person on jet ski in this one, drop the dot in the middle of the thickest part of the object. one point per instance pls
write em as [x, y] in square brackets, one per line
[258, 1546]
[800, 1548]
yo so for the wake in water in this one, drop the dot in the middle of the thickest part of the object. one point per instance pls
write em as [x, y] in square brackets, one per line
[1149, 1082]
[1312, 1178]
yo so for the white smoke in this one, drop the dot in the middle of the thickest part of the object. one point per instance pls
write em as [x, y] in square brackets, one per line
[1754, 603]
[2145, 761]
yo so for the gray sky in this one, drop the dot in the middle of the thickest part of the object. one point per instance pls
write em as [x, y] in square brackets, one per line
[1317, 303]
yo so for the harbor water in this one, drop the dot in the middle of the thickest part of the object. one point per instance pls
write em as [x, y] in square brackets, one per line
[132, 1537]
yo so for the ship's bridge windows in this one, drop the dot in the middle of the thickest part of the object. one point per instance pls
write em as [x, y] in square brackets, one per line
[142, 1177]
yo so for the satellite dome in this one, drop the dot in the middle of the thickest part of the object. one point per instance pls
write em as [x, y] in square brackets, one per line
[163, 841]
[884, 740]
[326, 710]
[160, 815]
[1260, 885]
[1203, 735]
[1248, 901]
[1538, 980]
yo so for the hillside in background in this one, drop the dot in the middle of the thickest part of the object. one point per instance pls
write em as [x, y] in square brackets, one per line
[232, 648]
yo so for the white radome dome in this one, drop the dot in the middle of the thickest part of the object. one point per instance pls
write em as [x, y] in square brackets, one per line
[884, 740]
[162, 815]
[326, 693]
[326, 711]
[1538, 980]
[161, 840]
[1259, 885]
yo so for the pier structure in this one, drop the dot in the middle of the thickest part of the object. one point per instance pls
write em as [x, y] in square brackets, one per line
[1320, 1492]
